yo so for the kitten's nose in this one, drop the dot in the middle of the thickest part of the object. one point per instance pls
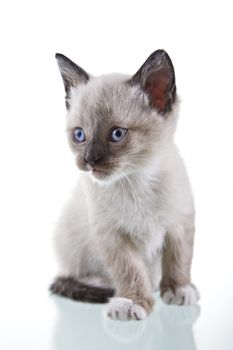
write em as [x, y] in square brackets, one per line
[92, 160]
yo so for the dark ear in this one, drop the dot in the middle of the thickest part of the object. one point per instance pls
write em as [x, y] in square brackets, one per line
[157, 78]
[71, 73]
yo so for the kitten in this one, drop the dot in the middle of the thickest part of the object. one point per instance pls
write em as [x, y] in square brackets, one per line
[132, 213]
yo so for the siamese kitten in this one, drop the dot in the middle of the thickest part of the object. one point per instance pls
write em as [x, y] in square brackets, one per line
[130, 222]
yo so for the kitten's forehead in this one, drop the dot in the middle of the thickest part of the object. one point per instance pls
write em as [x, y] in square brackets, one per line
[105, 98]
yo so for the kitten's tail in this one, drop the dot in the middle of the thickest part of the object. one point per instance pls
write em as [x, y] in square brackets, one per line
[72, 289]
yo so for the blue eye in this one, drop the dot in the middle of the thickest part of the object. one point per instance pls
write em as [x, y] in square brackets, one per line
[79, 135]
[118, 134]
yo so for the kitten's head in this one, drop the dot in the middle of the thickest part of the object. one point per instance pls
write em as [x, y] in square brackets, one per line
[119, 124]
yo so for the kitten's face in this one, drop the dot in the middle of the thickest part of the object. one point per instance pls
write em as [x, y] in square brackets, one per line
[114, 126]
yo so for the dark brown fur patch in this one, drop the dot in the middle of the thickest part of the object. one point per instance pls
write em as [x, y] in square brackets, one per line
[70, 288]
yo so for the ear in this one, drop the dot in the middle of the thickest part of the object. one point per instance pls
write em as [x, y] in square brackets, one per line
[157, 79]
[72, 75]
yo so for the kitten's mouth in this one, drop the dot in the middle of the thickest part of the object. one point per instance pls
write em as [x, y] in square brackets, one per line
[98, 173]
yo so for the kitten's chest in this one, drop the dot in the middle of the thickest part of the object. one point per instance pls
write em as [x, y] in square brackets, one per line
[134, 208]
[140, 217]
[135, 213]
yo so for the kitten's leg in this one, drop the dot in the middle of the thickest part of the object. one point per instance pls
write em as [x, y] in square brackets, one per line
[133, 298]
[176, 287]
[155, 272]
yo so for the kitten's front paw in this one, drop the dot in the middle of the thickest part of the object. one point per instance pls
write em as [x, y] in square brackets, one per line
[186, 295]
[124, 309]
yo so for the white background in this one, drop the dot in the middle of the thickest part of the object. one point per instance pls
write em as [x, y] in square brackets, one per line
[37, 170]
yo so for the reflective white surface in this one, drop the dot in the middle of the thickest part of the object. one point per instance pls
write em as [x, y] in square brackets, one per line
[84, 328]
[53, 323]
[78, 326]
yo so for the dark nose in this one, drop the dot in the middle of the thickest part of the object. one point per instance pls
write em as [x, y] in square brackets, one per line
[92, 160]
